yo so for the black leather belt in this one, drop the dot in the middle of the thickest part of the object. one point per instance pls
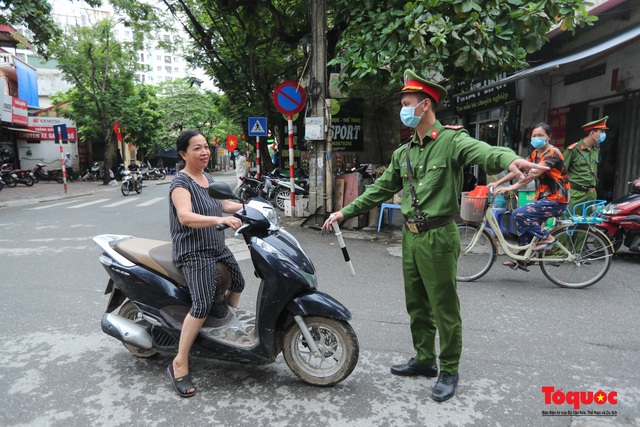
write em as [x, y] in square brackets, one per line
[422, 225]
[581, 188]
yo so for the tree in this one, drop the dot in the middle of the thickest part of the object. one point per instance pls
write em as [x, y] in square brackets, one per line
[35, 15]
[458, 39]
[102, 71]
[185, 106]
[248, 48]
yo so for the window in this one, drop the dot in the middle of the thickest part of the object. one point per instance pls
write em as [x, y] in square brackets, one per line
[176, 59]
[166, 38]
[167, 60]
[159, 57]
[142, 57]
[159, 68]
[176, 69]
[167, 69]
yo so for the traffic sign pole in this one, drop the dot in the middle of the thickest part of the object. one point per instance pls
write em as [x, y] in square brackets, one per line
[258, 156]
[291, 178]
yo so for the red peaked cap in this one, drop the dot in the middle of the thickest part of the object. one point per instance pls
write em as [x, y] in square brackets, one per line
[414, 83]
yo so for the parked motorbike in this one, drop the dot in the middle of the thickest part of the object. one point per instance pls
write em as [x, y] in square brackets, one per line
[2, 184]
[149, 299]
[255, 187]
[43, 175]
[131, 181]
[621, 219]
[17, 176]
[283, 191]
[97, 173]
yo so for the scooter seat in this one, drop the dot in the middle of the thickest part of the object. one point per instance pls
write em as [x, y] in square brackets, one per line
[154, 254]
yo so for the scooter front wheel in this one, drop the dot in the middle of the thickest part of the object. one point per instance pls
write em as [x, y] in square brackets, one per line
[337, 347]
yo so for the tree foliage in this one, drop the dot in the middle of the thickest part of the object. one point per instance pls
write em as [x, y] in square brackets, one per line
[185, 106]
[35, 16]
[102, 71]
[458, 39]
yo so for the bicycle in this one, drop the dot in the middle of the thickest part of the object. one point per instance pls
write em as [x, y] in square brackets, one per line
[580, 258]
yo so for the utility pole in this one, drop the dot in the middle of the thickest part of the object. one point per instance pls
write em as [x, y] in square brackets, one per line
[320, 171]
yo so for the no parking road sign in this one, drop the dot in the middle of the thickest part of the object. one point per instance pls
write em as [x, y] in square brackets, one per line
[257, 126]
[289, 98]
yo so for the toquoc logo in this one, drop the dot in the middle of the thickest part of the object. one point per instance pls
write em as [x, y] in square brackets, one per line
[575, 398]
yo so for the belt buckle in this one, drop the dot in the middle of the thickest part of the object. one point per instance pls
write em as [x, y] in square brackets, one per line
[412, 227]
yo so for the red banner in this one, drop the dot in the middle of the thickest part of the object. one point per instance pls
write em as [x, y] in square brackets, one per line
[44, 133]
[232, 142]
[116, 129]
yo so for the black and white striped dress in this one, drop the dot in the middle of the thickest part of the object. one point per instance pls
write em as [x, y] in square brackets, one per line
[197, 250]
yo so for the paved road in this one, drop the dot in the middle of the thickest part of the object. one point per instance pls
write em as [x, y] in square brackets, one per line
[521, 333]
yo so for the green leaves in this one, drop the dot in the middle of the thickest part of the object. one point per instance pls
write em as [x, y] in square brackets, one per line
[455, 39]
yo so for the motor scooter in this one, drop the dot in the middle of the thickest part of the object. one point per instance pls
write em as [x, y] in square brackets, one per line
[621, 219]
[149, 299]
[44, 175]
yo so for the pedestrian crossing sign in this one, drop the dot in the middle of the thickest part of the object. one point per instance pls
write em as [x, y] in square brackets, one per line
[257, 126]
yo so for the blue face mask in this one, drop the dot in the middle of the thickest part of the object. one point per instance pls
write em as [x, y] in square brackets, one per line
[236, 154]
[408, 118]
[601, 138]
[538, 142]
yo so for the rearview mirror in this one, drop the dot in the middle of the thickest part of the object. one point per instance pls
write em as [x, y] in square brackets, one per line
[221, 190]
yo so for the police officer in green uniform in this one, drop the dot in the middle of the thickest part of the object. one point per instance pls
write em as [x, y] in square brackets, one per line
[581, 160]
[430, 239]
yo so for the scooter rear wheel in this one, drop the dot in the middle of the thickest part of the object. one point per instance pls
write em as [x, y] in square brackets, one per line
[338, 347]
[131, 312]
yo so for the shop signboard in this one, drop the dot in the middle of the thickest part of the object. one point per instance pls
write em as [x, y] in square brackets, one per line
[346, 124]
[558, 121]
[484, 99]
[41, 128]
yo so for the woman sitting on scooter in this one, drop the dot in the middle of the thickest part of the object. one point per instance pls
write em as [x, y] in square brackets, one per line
[552, 193]
[198, 246]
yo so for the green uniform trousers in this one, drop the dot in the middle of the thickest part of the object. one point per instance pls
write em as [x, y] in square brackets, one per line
[581, 197]
[429, 264]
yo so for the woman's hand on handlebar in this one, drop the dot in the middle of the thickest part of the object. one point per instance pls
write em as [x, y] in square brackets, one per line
[230, 221]
[502, 190]
[334, 217]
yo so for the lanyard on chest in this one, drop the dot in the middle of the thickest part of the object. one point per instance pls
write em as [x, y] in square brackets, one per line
[414, 198]
[586, 160]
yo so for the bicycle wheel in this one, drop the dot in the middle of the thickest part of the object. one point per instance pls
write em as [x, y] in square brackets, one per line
[592, 251]
[474, 260]
[125, 188]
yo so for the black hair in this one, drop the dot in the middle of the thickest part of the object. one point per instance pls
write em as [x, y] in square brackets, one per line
[545, 127]
[423, 95]
[182, 143]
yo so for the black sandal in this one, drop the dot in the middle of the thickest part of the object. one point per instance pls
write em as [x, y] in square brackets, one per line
[181, 384]
[516, 265]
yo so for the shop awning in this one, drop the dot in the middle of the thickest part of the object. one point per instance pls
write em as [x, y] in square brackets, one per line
[600, 49]
[16, 129]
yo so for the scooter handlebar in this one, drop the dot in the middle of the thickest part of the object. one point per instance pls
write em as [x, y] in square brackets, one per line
[221, 227]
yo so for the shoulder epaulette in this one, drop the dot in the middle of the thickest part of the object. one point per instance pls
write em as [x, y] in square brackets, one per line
[572, 146]
[454, 127]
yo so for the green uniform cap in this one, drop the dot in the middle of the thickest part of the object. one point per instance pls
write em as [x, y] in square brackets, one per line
[414, 83]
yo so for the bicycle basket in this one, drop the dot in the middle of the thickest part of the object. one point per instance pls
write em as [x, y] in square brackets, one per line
[472, 208]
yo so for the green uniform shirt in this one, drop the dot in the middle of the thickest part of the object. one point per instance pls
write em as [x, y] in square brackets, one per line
[576, 157]
[437, 172]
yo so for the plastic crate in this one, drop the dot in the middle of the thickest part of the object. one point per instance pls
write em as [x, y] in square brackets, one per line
[472, 208]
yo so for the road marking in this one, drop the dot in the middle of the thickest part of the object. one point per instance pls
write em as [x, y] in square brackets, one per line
[152, 201]
[121, 202]
[88, 203]
[51, 206]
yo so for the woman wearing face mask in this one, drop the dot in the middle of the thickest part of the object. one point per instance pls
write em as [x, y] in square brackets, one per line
[552, 192]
